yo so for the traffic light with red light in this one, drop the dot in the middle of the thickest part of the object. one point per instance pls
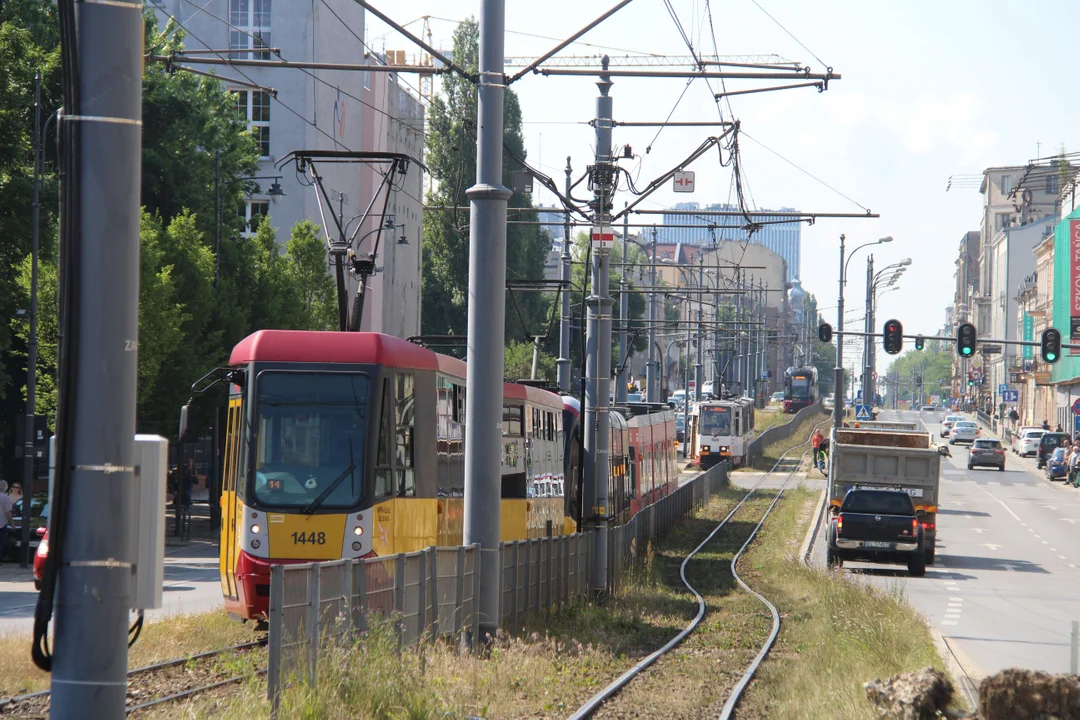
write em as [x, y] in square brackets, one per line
[965, 340]
[894, 337]
[1051, 345]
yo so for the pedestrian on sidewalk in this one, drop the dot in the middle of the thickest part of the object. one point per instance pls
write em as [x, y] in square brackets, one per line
[6, 516]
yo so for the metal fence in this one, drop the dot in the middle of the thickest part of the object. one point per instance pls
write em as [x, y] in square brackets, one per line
[433, 591]
[756, 447]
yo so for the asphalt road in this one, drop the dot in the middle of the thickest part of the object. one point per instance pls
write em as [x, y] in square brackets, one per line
[191, 585]
[1005, 586]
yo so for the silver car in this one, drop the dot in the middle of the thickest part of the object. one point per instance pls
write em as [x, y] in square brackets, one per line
[948, 422]
[963, 431]
[986, 452]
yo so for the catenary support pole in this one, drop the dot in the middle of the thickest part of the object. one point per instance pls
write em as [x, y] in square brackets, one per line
[89, 659]
[564, 310]
[487, 310]
[868, 322]
[598, 344]
[838, 371]
[623, 368]
[32, 344]
[700, 330]
[652, 393]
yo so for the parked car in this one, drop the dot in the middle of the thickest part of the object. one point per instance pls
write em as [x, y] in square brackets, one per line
[680, 427]
[1047, 443]
[1056, 467]
[1018, 435]
[963, 431]
[1028, 443]
[986, 452]
[777, 397]
[39, 518]
[677, 398]
[947, 423]
[40, 556]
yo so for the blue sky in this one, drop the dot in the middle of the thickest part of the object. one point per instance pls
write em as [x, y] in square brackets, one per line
[929, 90]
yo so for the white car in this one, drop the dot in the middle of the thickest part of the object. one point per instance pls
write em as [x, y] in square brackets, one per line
[947, 423]
[963, 431]
[1018, 435]
[1028, 444]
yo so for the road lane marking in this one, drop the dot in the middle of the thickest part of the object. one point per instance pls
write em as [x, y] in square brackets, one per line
[1053, 549]
[1061, 556]
[979, 530]
[992, 546]
[1071, 521]
[997, 500]
[948, 622]
[956, 599]
[1071, 565]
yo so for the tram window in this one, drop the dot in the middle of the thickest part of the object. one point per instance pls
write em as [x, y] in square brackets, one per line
[459, 403]
[715, 421]
[406, 412]
[513, 420]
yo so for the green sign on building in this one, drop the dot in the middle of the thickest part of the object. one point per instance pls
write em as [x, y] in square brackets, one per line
[1029, 335]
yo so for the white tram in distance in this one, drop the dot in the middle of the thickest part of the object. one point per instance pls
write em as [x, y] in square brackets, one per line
[719, 430]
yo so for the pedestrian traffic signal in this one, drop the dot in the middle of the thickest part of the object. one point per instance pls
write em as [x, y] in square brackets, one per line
[824, 332]
[919, 342]
[1051, 345]
[894, 337]
[918, 379]
[965, 340]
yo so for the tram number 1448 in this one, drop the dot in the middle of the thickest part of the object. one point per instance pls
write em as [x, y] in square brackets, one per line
[311, 538]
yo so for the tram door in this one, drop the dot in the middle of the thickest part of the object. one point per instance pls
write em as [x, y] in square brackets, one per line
[229, 504]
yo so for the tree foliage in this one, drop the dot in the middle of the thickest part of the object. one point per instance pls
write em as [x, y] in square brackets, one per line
[518, 363]
[451, 158]
[934, 364]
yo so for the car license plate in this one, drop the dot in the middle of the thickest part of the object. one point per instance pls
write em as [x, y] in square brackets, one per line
[33, 543]
[877, 544]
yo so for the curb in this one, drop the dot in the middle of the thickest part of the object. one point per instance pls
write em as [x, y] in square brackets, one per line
[812, 531]
[952, 664]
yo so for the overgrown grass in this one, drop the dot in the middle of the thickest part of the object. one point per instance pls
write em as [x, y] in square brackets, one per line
[165, 639]
[837, 632]
[772, 452]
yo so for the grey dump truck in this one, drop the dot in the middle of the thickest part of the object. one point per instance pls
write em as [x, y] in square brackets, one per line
[895, 425]
[887, 460]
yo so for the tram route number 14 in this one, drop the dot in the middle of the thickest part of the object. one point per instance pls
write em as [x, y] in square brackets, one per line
[311, 538]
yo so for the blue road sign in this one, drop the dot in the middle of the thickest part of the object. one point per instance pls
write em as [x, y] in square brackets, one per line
[1002, 388]
[862, 412]
[1011, 396]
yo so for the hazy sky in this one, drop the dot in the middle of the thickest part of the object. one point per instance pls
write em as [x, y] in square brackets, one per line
[929, 90]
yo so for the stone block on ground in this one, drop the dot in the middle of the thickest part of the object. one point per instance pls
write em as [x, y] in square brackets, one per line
[917, 695]
[1017, 694]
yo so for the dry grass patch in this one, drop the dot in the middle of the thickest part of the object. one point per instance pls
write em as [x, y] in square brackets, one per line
[165, 639]
[837, 631]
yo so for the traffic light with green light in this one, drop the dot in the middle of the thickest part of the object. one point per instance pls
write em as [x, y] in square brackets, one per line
[1051, 345]
[965, 340]
[919, 342]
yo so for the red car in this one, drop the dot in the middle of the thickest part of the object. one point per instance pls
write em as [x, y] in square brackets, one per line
[40, 555]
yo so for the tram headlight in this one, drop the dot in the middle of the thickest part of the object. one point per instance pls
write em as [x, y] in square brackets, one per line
[358, 531]
[356, 546]
[255, 544]
[255, 529]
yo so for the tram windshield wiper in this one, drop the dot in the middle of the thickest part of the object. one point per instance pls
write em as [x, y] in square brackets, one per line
[317, 502]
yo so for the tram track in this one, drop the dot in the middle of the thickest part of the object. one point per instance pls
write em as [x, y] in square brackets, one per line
[157, 684]
[597, 701]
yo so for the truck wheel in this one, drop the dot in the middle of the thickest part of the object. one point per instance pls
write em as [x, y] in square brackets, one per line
[970, 466]
[834, 561]
[917, 565]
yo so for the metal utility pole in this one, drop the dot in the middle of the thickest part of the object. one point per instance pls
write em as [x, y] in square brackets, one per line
[838, 371]
[564, 311]
[868, 322]
[487, 313]
[651, 385]
[624, 318]
[32, 344]
[99, 312]
[598, 343]
[700, 330]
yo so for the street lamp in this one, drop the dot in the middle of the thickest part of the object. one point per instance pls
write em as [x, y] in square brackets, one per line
[838, 371]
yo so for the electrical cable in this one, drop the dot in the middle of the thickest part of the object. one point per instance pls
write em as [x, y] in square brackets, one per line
[790, 35]
[69, 265]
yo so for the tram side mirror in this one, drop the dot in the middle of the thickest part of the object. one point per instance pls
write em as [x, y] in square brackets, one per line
[189, 423]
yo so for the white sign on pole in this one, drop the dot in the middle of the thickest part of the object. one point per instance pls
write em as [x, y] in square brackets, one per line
[684, 181]
[603, 238]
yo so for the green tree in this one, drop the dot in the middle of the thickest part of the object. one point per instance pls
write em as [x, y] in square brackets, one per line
[518, 362]
[451, 158]
[307, 270]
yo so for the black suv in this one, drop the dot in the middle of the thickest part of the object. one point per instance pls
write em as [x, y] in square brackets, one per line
[1047, 444]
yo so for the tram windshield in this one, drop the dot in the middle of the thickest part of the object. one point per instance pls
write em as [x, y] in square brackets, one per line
[715, 421]
[310, 439]
[800, 386]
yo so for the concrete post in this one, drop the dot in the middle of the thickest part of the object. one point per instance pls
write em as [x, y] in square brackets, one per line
[700, 330]
[564, 310]
[868, 322]
[598, 347]
[96, 424]
[651, 384]
[487, 310]
[838, 371]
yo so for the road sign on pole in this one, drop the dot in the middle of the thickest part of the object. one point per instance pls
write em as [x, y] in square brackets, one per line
[862, 412]
[683, 182]
[1076, 407]
[1002, 388]
[1011, 396]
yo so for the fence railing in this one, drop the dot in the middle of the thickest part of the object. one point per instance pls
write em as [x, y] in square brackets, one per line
[434, 591]
[756, 447]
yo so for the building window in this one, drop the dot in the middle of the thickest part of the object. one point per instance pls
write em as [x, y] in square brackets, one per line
[1006, 184]
[254, 107]
[1051, 185]
[252, 213]
[251, 27]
